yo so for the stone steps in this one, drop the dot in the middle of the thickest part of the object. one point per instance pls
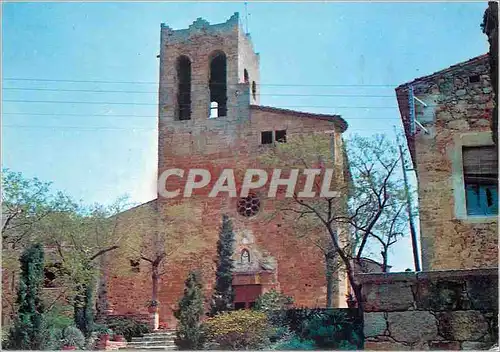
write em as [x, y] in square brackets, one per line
[154, 348]
[153, 338]
[160, 340]
[151, 343]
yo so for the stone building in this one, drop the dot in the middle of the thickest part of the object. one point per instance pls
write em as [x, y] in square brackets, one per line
[447, 127]
[210, 118]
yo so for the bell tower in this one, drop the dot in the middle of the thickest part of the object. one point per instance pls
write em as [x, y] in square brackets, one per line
[205, 70]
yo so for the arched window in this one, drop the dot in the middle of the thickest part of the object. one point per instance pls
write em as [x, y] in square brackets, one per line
[254, 89]
[218, 82]
[184, 88]
[245, 256]
[245, 76]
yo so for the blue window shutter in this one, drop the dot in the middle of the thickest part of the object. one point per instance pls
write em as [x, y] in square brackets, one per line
[472, 196]
[488, 197]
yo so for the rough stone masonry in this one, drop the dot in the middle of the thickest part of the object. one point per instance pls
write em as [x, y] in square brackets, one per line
[437, 310]
[459, 102]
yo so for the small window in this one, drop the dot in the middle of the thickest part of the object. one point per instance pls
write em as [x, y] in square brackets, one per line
[135, 266]
[266, 137]
[254, 90]
[281, 136]
[474, 79]
[245, 256]
[480, 167]
[245, 76]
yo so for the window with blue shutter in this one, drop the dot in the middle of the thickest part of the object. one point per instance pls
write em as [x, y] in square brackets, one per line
[480, 167]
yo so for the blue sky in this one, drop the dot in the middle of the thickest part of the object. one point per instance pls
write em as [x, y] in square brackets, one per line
[96, 152]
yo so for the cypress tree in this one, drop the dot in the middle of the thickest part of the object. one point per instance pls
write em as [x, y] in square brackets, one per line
[27, 332]
[84, 308]
[223, 296]
[189, 331]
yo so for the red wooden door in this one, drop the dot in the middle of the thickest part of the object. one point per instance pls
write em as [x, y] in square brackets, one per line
[246, 294]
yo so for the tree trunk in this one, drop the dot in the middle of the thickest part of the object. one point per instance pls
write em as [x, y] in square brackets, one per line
[330, 280]
[356, 288]
[155, 278]
[384, 261]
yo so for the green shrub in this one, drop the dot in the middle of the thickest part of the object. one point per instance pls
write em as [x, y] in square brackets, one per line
[72, 336]
[5, 335]
[59, 317]
[330, 330]
[27, 332]
[84, 309]
[273, 300]
[128, 327]
[53, 339]
[294, 343]
[223, 295]
[274, 304]
[189, 334]
[237, 330]
[279, 332]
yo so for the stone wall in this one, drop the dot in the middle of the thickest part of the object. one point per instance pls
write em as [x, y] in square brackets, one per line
[459, 102]
[436, 310]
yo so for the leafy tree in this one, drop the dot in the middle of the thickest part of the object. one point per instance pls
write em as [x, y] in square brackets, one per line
[154, 235]
[81, 236]
[369, 190]
[223, 296]
[27, 332]
[25, 203]
[189, 330]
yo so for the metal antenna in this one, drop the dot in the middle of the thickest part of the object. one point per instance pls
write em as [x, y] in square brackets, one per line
[246, 18]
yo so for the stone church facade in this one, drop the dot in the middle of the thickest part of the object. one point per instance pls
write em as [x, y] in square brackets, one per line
[210, 118]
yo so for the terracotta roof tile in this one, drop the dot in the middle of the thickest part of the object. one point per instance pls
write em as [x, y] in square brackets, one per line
[337, 119]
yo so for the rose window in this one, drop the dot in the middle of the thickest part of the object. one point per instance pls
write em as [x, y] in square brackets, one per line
[249, 206]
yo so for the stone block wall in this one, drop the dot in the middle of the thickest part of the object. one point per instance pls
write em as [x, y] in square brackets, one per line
[436, 310]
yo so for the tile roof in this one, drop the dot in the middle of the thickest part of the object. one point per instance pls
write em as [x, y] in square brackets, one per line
[402, 96]
[339, 121]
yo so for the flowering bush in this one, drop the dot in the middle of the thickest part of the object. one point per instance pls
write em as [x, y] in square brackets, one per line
[236, 330]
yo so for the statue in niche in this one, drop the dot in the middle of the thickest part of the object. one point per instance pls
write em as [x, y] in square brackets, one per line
[245, 256]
